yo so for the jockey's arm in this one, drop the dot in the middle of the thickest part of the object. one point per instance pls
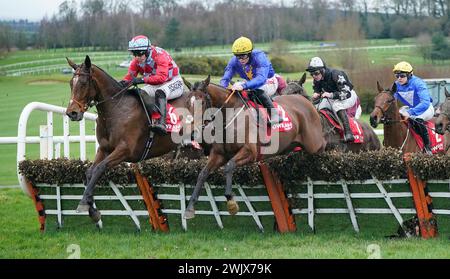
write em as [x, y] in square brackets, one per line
[133, 71]
[424, 97]
[228, 75]
[162, 72]
[259, 79]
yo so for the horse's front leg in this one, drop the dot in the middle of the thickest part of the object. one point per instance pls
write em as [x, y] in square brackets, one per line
[87, 202]
[241, 158]
[214, 162]
[99, 156]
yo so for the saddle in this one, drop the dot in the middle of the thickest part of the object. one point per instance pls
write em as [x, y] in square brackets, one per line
[355, 127]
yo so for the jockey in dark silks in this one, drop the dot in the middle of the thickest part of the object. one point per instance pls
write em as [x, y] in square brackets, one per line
[336, 90]
[413, 92]
[253, 66]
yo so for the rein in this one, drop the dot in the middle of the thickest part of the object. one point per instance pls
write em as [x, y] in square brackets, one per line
[91, 103]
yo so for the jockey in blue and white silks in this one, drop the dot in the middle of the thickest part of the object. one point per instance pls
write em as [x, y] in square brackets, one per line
[413, 92]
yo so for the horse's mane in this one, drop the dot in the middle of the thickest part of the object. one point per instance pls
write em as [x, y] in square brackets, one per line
[106, 74]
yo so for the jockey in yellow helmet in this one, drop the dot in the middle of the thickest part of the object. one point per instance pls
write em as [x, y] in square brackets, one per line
[256, 69]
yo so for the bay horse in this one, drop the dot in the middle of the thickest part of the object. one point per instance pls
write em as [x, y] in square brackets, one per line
[306, 133]
[396, 132]
[122, 128]
[331, 133]
[443, 120]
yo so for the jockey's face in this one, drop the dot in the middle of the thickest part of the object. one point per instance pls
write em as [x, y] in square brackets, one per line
[140, 56]
[317, 75]
[402, 78]
[243, 59]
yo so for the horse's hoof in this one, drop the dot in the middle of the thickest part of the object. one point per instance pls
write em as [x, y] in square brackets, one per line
[189, 214]
[95, 215]
[233, 207]
[82, 208]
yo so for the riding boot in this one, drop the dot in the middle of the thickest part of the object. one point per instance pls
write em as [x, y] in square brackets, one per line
[423, 132]
[267, 103]
[161, 102]
[348, 135]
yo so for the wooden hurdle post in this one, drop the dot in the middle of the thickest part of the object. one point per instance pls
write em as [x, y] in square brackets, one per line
[422, 202]
[157, 219]
[284, 218]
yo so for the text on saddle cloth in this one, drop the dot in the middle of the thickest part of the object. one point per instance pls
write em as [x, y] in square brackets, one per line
[284, 126]
[173, 122]
[436, 140]
[355, 127]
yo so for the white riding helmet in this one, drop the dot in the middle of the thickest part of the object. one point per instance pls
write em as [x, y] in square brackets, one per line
[316, 63]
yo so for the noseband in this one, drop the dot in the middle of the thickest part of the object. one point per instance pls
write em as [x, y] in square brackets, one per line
[384, 119]
[89, 103]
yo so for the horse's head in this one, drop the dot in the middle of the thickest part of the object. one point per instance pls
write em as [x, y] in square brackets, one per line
[383, 101]
[443, 120]
[83, 89]
[198, 100]
[295, 87]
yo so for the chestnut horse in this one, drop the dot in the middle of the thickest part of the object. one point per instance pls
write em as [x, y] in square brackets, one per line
[396, 132]
[443, 120]
[306, 132]
[122, 129]
[332, 135]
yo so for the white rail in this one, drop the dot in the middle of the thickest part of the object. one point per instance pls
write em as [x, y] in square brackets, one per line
[22, 138]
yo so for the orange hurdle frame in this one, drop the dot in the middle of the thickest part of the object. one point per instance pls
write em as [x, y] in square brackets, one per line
[422, 203]
[157, 219]
[284, 218]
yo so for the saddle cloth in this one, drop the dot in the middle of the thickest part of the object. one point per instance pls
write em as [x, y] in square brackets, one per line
[436, 140]
[355, 127]
[284, 126]
[173, 122]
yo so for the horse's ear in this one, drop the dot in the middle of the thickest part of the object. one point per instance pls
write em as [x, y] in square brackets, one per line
[187, 83]
[447, 94]
[207, 80]
[204, 84]
[303, 79]
[87, 62]
[71, 63]
[394, 88]
[379, 87]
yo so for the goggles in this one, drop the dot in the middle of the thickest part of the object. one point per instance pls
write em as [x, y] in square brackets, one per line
[138, 52]
[401, 75]
[242, 56]
[315, 73]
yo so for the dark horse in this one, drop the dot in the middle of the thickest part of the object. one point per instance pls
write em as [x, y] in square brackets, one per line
[122, 125]
[443, 120]
[396, 132]
[306, 132]
[332, 135]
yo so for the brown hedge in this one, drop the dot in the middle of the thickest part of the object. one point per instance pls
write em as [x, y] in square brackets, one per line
[330, 166]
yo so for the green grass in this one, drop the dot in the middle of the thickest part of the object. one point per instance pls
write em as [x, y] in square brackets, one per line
[334, 238]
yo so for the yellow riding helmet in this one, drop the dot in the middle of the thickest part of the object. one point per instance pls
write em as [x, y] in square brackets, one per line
[242, 45]
[403, 67]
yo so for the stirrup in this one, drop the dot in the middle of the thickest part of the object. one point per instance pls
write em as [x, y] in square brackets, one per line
[159, 128]
[349, 138]
[427, 150]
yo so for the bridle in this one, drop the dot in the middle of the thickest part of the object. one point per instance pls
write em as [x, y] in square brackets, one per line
[92, 102]
[384, 119]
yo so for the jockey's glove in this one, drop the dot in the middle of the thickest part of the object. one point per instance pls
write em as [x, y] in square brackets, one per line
[124, 83]
[137, 81]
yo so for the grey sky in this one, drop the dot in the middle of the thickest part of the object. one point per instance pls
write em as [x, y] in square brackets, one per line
[33, 10]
